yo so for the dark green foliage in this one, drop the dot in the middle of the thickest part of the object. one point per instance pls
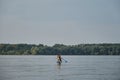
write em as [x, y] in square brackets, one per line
[81, 49]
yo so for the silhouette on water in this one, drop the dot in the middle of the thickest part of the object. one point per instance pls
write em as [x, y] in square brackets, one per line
[59, 59]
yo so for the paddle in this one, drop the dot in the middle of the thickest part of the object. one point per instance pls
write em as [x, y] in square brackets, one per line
[64, 60]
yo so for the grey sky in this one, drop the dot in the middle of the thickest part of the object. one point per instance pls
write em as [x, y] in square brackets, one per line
[59, 21]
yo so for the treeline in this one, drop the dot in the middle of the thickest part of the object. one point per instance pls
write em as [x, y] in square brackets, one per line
[81, 49]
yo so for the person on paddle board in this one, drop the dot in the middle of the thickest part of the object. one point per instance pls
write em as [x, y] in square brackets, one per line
[59, 59]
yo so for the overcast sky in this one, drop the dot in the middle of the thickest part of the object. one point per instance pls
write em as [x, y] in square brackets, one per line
[59, 21]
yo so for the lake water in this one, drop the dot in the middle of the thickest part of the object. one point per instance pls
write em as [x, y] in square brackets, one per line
[46, 68]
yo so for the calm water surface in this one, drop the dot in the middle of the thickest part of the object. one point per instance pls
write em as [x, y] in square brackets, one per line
[46, 68]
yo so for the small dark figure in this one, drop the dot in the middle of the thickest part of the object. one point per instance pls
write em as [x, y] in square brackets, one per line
[59, 59]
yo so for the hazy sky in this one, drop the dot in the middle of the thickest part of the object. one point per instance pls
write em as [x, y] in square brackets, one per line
[59, 21]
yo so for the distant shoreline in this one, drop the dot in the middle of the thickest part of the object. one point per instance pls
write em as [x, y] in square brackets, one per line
[80, 49]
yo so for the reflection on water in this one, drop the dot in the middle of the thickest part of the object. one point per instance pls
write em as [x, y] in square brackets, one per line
[59, 73]
[58, 66]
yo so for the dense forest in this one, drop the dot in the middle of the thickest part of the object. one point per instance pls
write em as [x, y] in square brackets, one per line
[81, 49]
